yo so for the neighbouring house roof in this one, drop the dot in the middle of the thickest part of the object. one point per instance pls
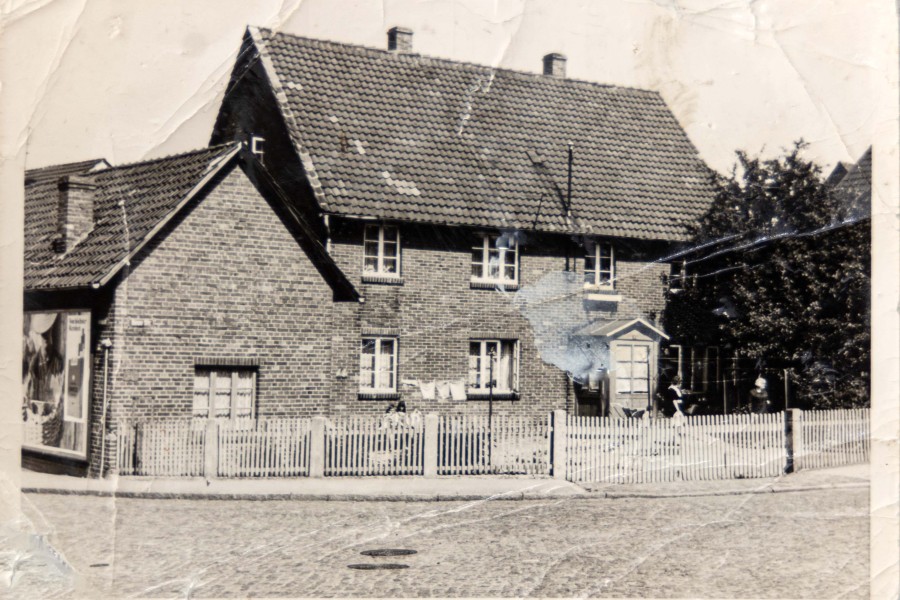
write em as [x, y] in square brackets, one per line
[148, 192]
[132, 203]
[54, 172]
[854, 190]
[402, 136]
[611, 329]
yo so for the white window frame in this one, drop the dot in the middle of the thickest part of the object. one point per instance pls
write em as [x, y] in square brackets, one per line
[380, 271]
[678, 277]
[213, 373]
[593, 252]
[364, 388]
[484, 368]
[618, 354]
[488, 243]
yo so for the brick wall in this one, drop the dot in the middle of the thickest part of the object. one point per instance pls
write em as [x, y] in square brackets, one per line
[228, 282]
[435, 313]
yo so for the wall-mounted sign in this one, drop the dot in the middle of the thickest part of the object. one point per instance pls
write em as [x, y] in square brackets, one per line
[56, 381]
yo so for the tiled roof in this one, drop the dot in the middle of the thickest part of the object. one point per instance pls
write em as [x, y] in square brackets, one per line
[402, 136]
[129, 202]
[854, 191]
[54, 172]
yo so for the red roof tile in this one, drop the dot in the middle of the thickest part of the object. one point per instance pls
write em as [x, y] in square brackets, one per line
[402, 136]
[130, 200]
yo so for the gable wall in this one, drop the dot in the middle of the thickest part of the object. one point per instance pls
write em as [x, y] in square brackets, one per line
[228, 281]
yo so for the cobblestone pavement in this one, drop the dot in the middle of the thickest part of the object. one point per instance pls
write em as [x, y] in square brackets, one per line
[811, 544]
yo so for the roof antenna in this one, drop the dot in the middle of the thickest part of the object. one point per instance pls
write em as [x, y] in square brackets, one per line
[569, 190]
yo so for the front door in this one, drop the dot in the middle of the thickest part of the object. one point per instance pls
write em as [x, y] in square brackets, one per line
[632, 374]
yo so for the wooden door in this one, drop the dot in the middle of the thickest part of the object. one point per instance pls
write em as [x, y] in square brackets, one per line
[632, 373]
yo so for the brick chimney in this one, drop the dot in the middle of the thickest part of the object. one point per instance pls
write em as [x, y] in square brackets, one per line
[555, 65]
[75, 214]
[400, 39]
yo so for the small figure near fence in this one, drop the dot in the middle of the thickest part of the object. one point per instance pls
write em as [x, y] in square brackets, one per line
[674, 398]
[759, 397]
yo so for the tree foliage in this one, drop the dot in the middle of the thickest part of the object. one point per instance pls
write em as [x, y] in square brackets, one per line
[779, 271]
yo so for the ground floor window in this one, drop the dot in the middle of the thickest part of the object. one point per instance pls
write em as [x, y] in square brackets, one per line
[224, 393]
[378, 365]
[493, 364]
[700, 367]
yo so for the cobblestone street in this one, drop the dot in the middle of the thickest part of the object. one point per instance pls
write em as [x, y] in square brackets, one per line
[811, 544]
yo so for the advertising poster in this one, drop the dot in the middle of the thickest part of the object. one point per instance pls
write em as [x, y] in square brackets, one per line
[55, 381]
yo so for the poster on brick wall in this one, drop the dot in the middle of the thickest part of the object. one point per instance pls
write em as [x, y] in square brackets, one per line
[55, 381]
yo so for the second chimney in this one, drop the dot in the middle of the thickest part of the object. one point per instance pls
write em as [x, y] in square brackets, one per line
[75, 216]
[400, 39]
[555, 65]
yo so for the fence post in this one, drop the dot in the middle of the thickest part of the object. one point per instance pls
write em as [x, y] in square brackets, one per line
[791, 437]
[431, 445]
[317, 447]
[211, 450]
[558, 444]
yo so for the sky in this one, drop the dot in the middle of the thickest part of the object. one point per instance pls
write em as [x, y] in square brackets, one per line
[128, 81]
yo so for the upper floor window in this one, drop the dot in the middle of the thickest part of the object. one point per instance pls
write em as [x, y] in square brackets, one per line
[224, 393]
[493, 364]
[378, 365]
[599, 265]
[382, 250]
[495, 260]
[678, 277]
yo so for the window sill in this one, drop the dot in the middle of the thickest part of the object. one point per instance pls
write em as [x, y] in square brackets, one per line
[487, 284]
[601, 294]
[497, 395]
[385, 279]
[378, 395]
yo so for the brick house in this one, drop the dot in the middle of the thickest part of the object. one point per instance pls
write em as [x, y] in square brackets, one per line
[366, 227]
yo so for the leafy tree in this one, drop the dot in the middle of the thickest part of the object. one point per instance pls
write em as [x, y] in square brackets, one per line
[778, 270]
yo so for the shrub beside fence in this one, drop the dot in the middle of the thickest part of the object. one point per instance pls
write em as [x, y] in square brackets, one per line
[581, 449]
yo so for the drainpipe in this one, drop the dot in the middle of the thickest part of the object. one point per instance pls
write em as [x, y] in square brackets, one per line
[106, 344]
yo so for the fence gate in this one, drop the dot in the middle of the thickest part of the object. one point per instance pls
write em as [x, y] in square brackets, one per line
[264, 448]
[369, 446]
[162, 448]
[470, 445]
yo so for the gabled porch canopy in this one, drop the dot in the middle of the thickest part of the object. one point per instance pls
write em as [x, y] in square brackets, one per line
[619, 328]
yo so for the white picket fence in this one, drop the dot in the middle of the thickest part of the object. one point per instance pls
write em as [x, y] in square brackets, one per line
[830, 438]
[373, 446]
[266, 448]
[161, 448]
[585, 449]
[471, 445]
[691, 448]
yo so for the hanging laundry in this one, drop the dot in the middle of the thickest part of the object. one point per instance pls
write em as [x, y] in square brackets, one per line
[443, 390]
[427, 389]
[458, 390]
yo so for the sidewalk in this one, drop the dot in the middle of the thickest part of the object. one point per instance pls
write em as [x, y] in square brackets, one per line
[851, 476]
[447, 488]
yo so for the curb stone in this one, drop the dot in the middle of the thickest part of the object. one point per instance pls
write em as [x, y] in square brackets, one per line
[508, 497]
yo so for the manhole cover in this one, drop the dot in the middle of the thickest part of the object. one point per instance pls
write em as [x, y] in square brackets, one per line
[372, 566]
[388, 552]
